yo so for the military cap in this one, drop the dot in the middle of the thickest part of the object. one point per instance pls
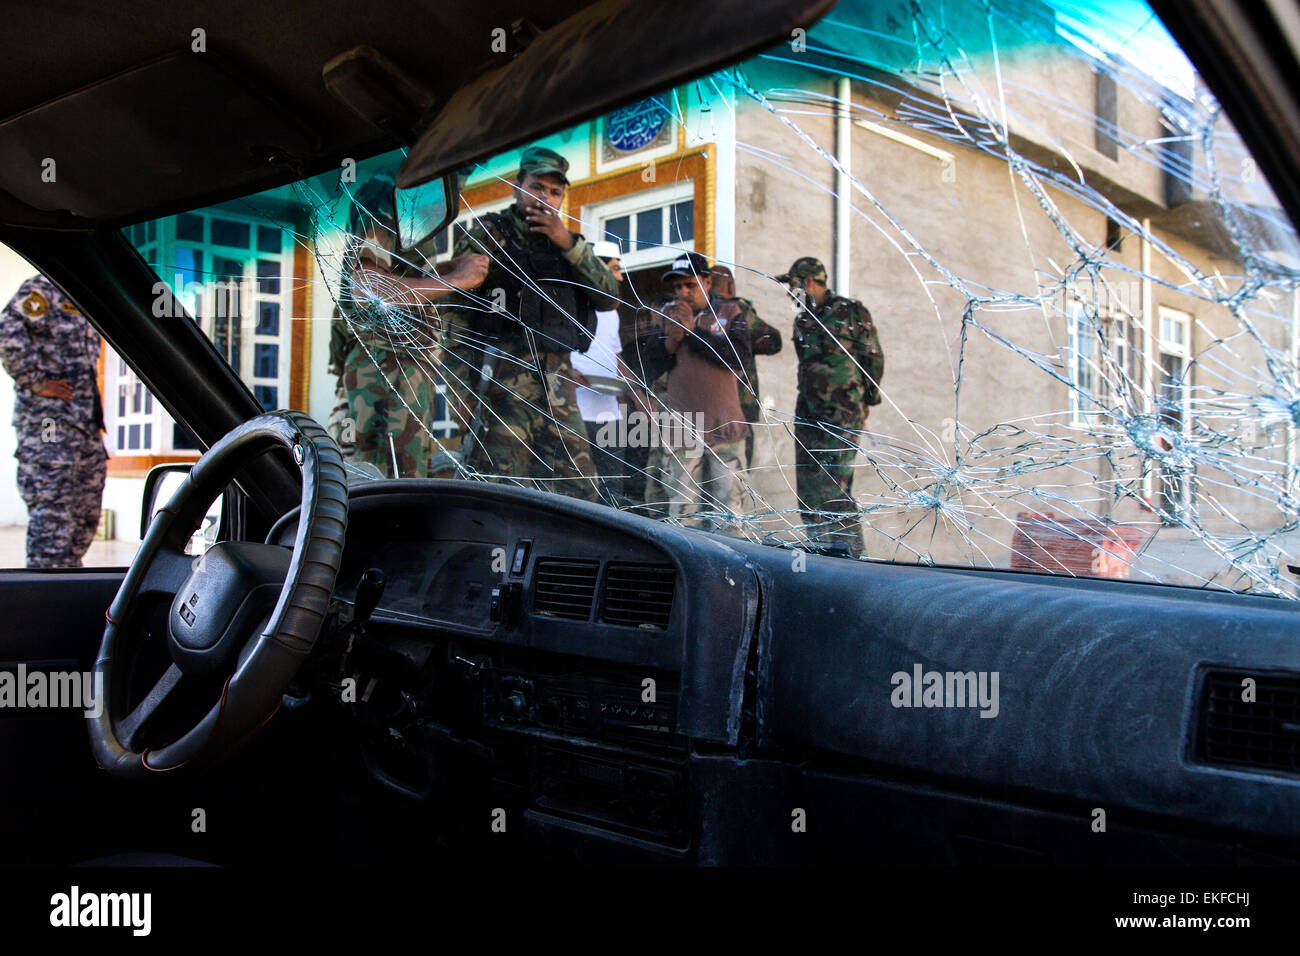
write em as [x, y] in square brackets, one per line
[805, 268]
[540, 161]
[689, 264]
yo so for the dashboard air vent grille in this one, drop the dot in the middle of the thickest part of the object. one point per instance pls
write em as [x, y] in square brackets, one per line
[564, 588]
[639, 595]
[1263, 733]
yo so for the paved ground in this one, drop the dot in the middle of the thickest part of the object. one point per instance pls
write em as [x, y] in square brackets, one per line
[102, 554]
[1176, 557]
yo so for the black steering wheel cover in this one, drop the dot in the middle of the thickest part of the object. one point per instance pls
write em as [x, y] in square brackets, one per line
[254, 691]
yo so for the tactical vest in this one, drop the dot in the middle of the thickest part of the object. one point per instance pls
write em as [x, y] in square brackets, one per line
[541, 291]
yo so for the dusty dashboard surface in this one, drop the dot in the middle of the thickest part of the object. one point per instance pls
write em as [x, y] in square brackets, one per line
[516, 572]
[543, 573]
[579, 646]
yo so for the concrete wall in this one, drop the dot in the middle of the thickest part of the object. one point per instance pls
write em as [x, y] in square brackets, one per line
[980, 224]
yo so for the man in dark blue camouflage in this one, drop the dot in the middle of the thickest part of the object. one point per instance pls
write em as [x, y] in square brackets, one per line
[52, 354]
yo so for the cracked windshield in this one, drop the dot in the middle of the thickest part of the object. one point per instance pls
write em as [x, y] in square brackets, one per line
[958, 283]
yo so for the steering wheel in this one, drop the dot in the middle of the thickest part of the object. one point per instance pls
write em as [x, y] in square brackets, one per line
[256, 607]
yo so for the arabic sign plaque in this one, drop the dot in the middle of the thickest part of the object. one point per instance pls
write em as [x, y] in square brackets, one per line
[639, 126]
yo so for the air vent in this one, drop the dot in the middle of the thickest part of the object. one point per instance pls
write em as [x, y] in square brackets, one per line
[565, 588]
[639, 595]
[1263, 733]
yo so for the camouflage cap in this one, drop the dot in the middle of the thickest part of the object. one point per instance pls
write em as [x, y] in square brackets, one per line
[540, 161]
[805, 268]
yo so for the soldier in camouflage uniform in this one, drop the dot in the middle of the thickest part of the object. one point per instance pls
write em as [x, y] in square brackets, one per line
[840, 367]
[52, 354]
[385, 350]
[763, 340]
[535, 307]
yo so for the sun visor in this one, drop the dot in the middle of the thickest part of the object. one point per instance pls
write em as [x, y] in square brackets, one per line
[598, 59]
[147, 138]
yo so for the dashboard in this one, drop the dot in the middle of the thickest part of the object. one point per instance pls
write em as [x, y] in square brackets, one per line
[520, 575]
[544, 640]
[625, 685]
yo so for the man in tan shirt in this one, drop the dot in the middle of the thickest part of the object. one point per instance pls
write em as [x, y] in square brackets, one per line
[700, 460]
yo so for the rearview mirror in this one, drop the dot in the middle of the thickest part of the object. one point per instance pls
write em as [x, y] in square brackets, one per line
[608, 54]
[424, 210]
[159, 486]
